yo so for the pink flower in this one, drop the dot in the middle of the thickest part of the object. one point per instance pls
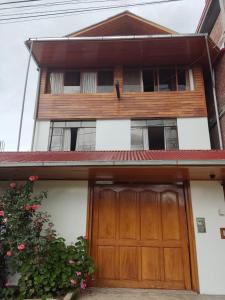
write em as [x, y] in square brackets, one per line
[7, 284]
[71, 262]
[35, 206]
[85, 238]
[78, 273]
[12, 185]
[2, 214]
[21, 247]
[5, 220]
[9, 253]
[83, 285]
[33, 178]
[73, 282]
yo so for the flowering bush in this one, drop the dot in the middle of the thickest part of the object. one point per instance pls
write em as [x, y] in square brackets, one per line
[28, 245]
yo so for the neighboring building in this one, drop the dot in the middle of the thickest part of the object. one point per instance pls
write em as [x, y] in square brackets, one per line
[121, 143]
[213, 23]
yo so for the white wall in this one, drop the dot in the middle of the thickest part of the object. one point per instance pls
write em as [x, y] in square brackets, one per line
[41, 136]
[67, 204]
[113, 135]
[207, 199]
[193, 134]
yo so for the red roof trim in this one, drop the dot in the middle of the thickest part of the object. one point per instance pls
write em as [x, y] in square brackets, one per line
[109, 156]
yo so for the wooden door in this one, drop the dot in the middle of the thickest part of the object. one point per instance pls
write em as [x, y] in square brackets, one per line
[139, 237]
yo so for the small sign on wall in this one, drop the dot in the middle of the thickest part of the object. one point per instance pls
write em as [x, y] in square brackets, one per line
[201, 225]
[222, 232]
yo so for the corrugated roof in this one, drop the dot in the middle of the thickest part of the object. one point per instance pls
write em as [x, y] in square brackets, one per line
[110, 156]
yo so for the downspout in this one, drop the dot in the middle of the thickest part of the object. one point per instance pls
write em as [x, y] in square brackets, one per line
[212, 75]
[24, 97]
[36, 110]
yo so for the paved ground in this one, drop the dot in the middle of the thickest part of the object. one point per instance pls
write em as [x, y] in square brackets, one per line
[136, 294]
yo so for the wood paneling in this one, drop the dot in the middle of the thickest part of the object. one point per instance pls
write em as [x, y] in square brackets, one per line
[130, 105]
[141, 255]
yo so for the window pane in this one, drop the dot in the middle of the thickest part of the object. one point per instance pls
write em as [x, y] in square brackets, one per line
[132, 80]
[71, 78]
[86, 139]
[73, 139]
[137, 139]
[149, 81]
[167, 80]
[171, 138]
[156, 138]
[182, 78]
[105, 82]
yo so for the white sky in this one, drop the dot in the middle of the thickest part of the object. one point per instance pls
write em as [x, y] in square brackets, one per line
[181, 16]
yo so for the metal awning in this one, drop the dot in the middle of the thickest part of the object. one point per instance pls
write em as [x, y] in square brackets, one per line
[138, 166]
[106, 51]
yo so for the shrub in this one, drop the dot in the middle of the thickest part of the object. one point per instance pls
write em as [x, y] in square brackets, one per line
[28, 245]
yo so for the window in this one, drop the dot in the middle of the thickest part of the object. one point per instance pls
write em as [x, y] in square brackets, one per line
[167, 80]
[154, 135]
[105, 82]
[132, 80]
[72, 136]
[156, 79]
[71, 82]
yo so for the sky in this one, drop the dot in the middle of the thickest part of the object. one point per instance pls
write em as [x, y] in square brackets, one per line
[181, 16]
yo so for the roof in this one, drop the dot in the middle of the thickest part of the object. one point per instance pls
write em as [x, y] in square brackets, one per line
[118, 166]
[108, 51]
[209, 16]
[90, 157]
[125, 23]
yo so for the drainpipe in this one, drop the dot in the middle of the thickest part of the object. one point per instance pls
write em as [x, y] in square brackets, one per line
[24, 97]
[212, 75]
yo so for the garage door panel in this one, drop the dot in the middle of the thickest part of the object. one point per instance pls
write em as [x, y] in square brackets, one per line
[127, 217]
[128, 263]
[150, 215]
[106, 262]
[170, 215]
[173, 262]
[107, 215]
[150, 263]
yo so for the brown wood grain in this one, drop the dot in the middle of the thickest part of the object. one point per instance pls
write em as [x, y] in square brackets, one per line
[127, 251]
[131, 105]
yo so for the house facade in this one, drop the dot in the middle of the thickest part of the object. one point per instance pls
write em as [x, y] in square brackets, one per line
[212, 22]
[122, 145]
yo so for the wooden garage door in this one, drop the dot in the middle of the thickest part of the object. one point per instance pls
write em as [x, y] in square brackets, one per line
[139, 237]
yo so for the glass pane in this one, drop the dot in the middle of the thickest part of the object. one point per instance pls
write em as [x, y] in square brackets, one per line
[137, 142]
[86, 139]
[56, 143]
[171, 138]
[105, 88]
[167, 80]
[132, 80]
[72, 78]
[138, 123]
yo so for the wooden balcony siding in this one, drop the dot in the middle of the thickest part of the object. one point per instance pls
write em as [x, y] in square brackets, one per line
[130, 105]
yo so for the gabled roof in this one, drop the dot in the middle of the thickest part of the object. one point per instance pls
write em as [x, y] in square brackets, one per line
[125, 23]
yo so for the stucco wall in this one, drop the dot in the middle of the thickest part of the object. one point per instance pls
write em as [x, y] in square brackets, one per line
[207, 199]
[193, 134]
[67, 204]
[41, 136]
[113, 135]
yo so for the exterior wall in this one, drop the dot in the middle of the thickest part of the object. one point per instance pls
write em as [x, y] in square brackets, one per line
[217, 31]
[130, 105]
[41, 136]
[113, 135]
[207, 199]
[67, 204]
[193, 134]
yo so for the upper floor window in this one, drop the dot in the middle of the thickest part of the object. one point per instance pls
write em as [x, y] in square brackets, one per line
[157, 79]
[154, 135]
[71, 82]
[72, 136]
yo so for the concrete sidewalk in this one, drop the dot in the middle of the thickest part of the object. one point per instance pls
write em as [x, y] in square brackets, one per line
[143, 294]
